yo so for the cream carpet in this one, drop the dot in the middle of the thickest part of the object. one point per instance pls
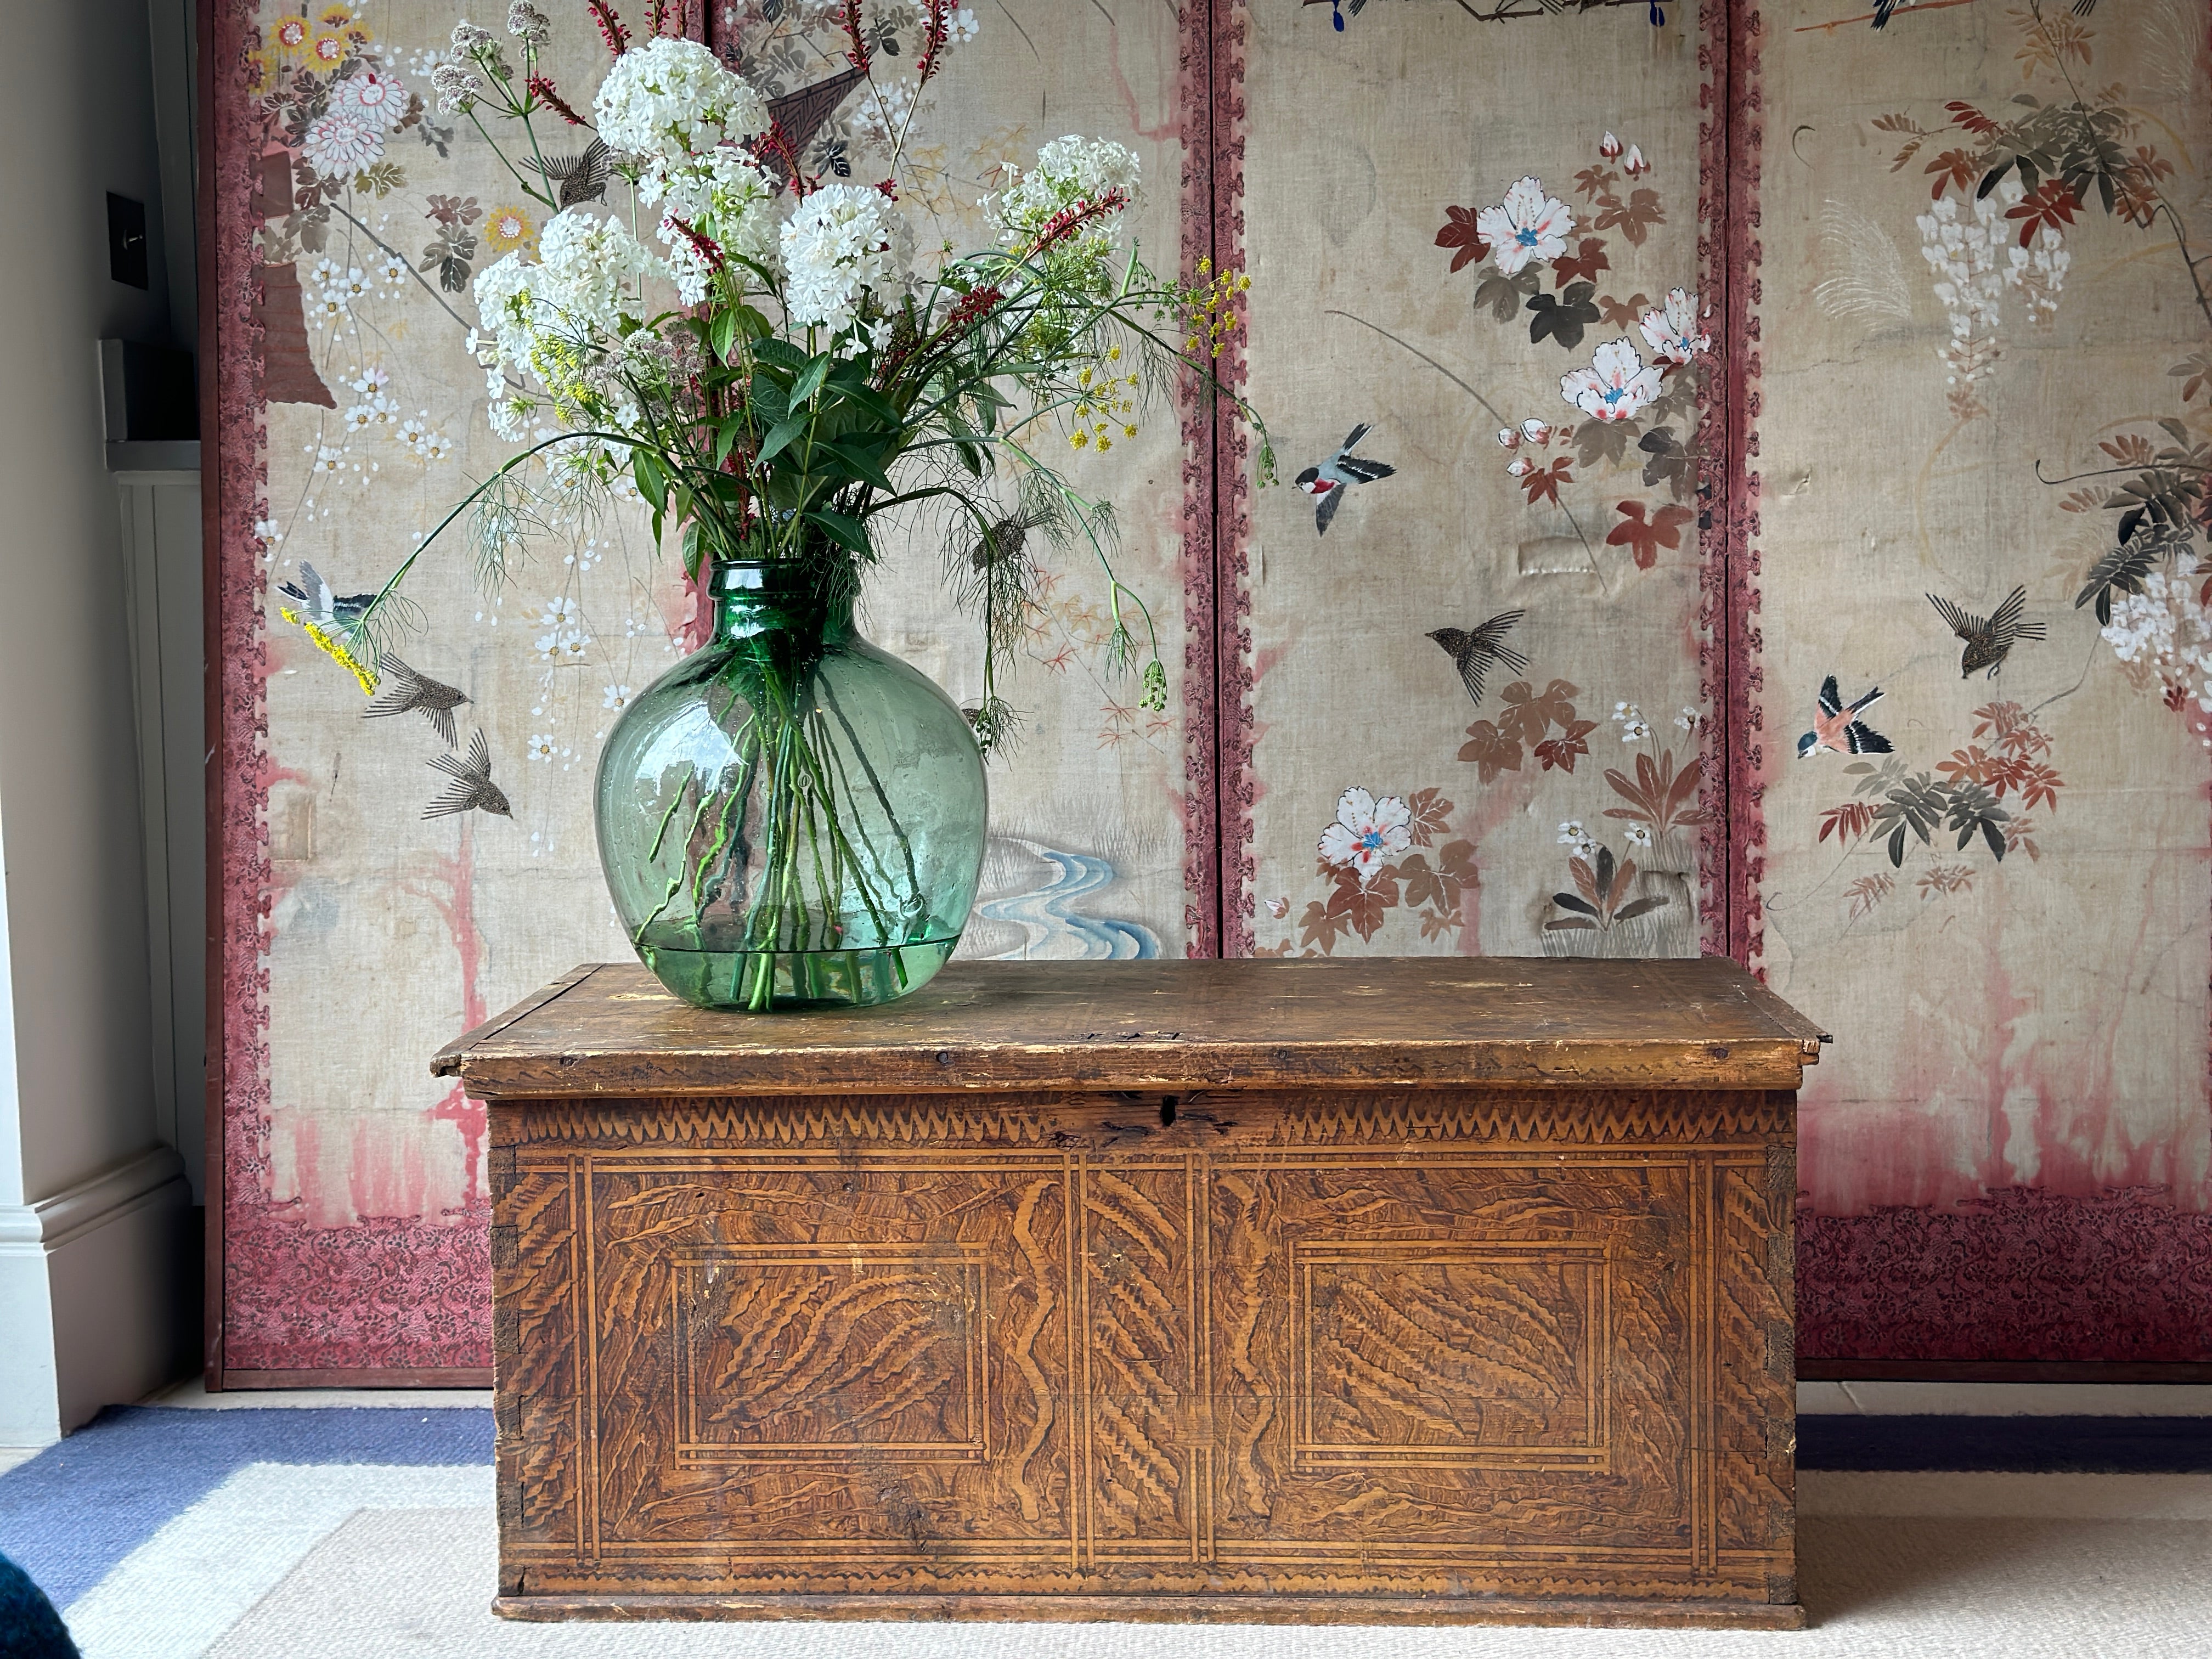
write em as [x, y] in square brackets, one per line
[415, 1582]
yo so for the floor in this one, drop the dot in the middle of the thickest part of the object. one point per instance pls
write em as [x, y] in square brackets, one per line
[266, 1527]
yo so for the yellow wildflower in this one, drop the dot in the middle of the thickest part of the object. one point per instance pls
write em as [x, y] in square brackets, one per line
[1080, 441]
[335, 649]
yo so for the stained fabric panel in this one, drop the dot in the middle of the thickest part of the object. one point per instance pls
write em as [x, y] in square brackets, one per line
[1471, 686]
[1983, 431]
[359, 933]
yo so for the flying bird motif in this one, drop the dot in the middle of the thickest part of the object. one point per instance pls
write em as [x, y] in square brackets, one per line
[1472, 652]
[405, 691]
[471, 789]
[1839, 728]
[1327, 483]
[581, 177]
[1988, 643]
[320, 605]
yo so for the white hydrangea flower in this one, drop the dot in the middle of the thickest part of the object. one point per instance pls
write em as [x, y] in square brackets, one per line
[1069, 170]
[843, 246]
[672, 98]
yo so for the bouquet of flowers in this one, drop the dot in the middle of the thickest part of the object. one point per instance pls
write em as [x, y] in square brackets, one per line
[764, 357]
[772, 368]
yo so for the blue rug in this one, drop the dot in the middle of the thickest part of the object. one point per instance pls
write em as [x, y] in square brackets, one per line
[70, 1515]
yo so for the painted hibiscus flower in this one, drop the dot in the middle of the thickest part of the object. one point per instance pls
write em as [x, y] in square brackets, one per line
[1672, 331]
[1616, 385]
[374, 96]
[1367, 832]
[1528, 225]
[343, 141]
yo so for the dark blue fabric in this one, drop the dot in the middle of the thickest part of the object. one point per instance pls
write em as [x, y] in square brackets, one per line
[30, 1626]
[75, 1509]
[2105, 1445]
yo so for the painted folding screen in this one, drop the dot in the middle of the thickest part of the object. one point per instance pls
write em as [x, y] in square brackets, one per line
[1983, 366]
[1472, 673]
[358, 935]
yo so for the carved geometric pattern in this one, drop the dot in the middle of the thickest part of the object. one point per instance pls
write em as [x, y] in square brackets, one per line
[1078, 1349]
[1524, 1116]
[829, 1352]
[1426, 1354]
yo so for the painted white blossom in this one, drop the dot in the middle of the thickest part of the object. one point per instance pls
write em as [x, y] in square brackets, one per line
[2166, 627]
[377, 96]
[1637, 835]
[342, 141]
[1572, 834]
[671, 99]
[1671, 330]
[1527, 225]
[617, 698]
[843, 247]
[1068, 171]
[1367, 831]
[1616, 385]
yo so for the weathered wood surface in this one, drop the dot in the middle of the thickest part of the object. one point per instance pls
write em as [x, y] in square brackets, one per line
[997, 1026]
[1222, 1330]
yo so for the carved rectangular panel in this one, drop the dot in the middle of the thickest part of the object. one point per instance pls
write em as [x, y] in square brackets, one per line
[1435, 1343]
[1449, 1355]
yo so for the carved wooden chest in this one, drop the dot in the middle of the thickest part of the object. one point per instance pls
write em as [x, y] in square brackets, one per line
[1422, 1290]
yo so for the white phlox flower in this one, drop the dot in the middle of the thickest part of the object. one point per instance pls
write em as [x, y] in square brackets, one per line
[1069, 171]
[843, 247]
[672, 99]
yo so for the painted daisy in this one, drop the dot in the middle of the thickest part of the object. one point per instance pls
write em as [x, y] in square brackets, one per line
[291, 36]
[1527, 225]
[343, 141]
[372, 94]
[1367, 832]
[508, 229]
[1616, 385]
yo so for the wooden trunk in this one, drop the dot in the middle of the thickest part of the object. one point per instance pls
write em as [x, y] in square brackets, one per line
[1421, 1290]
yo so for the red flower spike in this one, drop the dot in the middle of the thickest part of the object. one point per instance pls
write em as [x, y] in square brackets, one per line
[890, 189]
[937, 16]
[611, 26]
[542, 89]
[850, 17]
[1064, 223]
[701, 244]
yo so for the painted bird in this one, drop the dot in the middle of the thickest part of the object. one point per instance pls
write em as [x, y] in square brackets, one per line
[320, 605]
[471, 789]
[1839, 728]
[1988, 643]
[405, 691]
[1471, 654]
[1327, 483]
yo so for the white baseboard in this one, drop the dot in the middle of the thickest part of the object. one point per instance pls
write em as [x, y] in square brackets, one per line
[95, 1297]
[2004, 1399]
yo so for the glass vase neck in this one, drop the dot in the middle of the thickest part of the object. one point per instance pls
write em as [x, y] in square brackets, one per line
[753, 597]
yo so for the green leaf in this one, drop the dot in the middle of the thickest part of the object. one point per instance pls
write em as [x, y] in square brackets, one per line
[727, 435]
[971, 456]
[754, 325]
[810, 378]
[857, 462]
[780, 437]
[782, 354]
[768, 399]
[847, 532]
[692, 554]
[872, 403]
[726, 334]
[651, 483]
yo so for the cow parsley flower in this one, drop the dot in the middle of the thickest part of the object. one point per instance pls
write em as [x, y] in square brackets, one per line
[843, 247]
[672, 99]
[1615, 386]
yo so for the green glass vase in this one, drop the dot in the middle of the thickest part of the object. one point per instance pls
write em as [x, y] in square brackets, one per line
[790, 817]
